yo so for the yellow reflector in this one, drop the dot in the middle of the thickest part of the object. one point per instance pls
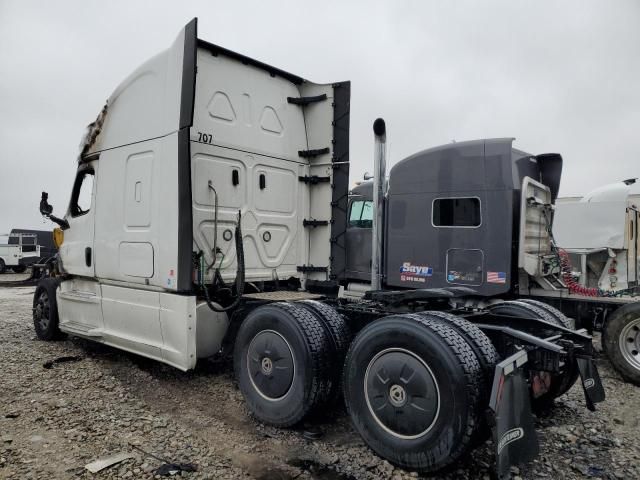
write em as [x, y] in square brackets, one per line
[58, 237]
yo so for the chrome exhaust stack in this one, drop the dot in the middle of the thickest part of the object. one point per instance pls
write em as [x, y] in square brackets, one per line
[379, 189]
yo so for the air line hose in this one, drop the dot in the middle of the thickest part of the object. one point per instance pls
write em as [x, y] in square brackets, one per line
[239, 274]
[566, 269]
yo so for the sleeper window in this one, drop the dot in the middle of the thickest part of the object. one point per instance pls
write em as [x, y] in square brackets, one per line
[361, 214]
[456, 212]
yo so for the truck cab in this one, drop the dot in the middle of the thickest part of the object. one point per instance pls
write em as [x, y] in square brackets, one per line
[197, 145]
[462, 214]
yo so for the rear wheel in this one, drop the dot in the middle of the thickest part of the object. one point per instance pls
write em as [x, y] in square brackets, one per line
[621, 341]
[561, 318]
[486, 354]
[281, 362]
[3, 266]
[559, 383]
[411, 386]
[340, 338]
[19, 268]
[45, 310]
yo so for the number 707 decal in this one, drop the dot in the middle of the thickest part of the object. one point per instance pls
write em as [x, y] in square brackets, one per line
[205, 137]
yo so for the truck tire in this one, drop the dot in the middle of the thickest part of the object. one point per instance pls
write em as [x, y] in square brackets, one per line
[45, 310]
[3, 266]
[19, 268]
[561, 318]
[435, 428]
[621, 341]
[281, 362]
[340, 337]
[487, 356]
[483, 348]
[560, 384]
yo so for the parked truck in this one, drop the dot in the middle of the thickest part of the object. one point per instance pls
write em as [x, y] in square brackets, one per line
[449, 220]
[209, 214]
[21, 250]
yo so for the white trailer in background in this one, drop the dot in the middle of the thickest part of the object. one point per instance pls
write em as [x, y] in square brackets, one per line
[20, 253]
[600, 232]
[600, 286]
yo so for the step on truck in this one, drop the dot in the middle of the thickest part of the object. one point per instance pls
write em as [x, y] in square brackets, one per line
[209, 215]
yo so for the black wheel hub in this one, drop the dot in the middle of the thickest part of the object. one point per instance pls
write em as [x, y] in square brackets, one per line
[41, 311]
[402, 393]
[270, 364]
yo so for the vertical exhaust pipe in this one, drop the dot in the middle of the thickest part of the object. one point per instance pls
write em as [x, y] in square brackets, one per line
[379, 188]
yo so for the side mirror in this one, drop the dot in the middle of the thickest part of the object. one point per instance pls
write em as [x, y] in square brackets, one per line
[47, 211]
[45, 208]
[367, 176]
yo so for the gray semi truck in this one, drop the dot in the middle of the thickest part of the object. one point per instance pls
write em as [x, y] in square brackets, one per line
[475, 214]
[209, 215]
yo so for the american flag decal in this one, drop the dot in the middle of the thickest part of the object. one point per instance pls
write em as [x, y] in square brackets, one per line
[496, 277]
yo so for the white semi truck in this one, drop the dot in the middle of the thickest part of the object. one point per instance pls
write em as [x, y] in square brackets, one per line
[209, 214]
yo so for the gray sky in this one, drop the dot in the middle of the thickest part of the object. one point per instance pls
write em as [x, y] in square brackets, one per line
[561, 76]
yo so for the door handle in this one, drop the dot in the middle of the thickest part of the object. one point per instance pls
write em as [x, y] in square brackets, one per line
[87, 256]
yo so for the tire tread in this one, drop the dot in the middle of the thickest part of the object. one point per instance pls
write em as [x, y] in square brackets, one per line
[340, 337]
[319, 347]
[473, 376]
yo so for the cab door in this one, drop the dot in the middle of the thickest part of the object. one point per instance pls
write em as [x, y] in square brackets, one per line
[79, 297]
[77, 250]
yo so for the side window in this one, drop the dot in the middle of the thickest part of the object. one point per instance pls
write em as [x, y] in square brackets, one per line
[456, 212]
[81, 196]
[361, 214]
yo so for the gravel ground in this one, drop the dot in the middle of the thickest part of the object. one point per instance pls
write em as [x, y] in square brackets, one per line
[53, 421]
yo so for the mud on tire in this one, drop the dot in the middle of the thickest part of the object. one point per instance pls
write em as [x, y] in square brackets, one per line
[441, 363]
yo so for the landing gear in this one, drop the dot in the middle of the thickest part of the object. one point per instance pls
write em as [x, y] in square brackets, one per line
[412, 387]
[621, 341]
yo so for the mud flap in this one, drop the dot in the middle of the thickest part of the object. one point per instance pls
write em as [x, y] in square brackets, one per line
[514, 438]
[591, 383]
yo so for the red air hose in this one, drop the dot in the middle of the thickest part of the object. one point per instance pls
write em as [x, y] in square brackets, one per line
[572, 285]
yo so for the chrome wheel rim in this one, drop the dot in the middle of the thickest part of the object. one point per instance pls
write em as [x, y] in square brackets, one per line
[402, 393]
[629, 342]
